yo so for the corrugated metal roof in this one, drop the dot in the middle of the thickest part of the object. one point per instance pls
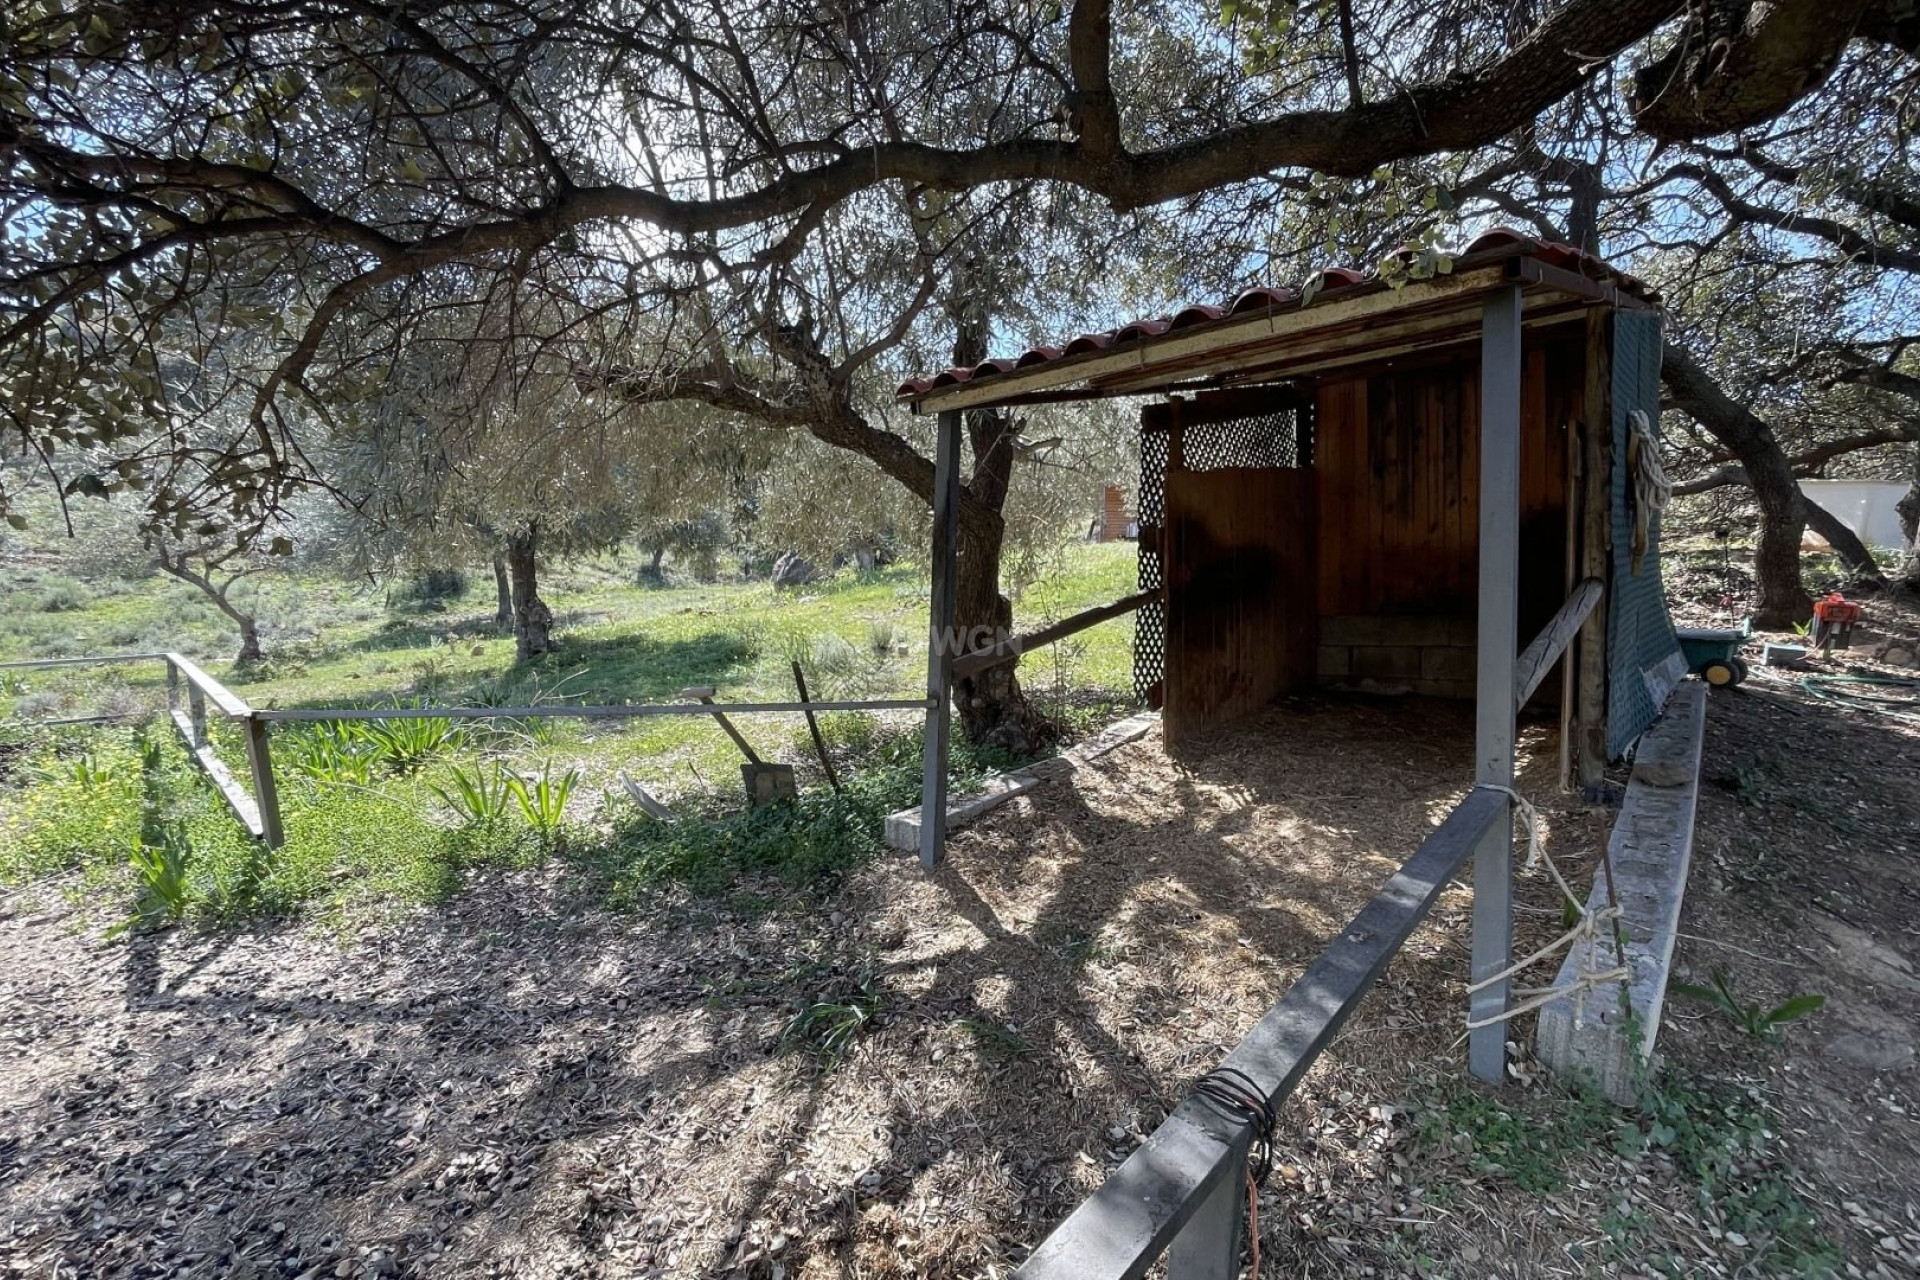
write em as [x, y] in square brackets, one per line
[1329, 284]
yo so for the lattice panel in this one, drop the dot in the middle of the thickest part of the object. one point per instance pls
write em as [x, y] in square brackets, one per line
[1283, 438]
[1269, 440]
[1150, 620]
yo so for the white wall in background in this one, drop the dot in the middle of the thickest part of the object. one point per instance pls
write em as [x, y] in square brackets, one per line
[1864, 506]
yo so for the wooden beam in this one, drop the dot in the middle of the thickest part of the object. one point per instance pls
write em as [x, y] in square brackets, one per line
[222, 778]
[1500, 378]
[230, 706]
[266, 792]
[1594, 496]
[1230, 334]
[941, 640]
[1010, 649]
[1538, 657]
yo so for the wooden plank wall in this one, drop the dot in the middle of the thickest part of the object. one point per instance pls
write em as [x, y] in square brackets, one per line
[1240, 587]
[1397, 463]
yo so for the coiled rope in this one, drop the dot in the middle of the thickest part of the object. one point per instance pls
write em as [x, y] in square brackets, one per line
[1652, 490]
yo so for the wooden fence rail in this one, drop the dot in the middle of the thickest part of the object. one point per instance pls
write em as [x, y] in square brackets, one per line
[1010, 649]
[258, 807]
[1183, 1192]
[105, 659]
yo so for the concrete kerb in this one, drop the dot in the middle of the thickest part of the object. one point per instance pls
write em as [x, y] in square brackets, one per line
[902, 830]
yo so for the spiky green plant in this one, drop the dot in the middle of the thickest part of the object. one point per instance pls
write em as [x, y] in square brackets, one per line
[1754, 1018]
[405, 746]
[161, 879]
[93, 773]
[830, 1026]
[477, 796]
[342, 753]
[543, 800]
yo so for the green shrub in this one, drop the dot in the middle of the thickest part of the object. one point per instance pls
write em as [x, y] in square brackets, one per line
[81, 809]
[61, 595]
[405, 746]
[339, 753]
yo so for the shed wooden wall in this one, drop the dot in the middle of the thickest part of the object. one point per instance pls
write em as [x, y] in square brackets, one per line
[1397, 461]
[1240, 564]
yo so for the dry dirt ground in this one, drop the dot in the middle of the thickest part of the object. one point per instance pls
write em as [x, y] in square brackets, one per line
[520, 1084]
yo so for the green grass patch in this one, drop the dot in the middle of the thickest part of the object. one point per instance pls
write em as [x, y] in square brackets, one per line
[1716, 1141]
[383, 817]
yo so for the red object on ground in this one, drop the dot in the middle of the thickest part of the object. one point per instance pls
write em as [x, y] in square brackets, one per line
[1836, 609]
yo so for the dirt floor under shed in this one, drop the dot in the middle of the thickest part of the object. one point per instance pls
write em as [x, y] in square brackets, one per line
[517, 1083]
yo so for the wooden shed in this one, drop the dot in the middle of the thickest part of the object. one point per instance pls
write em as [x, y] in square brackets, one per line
[1446, 485]
[1310, 500]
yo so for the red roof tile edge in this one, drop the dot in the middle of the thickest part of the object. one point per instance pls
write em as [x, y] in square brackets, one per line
[1331, 281]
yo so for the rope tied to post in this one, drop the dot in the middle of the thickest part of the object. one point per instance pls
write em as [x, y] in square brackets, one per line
[1584, 935]
[1235, 1092]
[1652, 490]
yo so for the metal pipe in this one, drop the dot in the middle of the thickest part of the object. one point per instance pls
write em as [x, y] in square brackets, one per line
[582, 713]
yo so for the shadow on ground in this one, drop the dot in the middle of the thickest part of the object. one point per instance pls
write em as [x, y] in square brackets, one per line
[517, 1083]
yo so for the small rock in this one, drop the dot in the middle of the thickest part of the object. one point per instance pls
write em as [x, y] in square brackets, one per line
[794, 570]
[1900, 657]
[1872, 1052]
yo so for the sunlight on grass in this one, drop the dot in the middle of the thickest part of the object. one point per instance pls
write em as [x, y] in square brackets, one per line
[370, 830]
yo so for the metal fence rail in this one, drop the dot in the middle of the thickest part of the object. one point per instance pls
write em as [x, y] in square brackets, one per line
[1182, 1192]
[192, 695]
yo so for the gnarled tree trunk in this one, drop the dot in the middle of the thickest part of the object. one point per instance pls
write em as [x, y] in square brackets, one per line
[503, 592]
[249, 638]
[179, 564]
[1783, 597]
[532, 620]
[993, 708]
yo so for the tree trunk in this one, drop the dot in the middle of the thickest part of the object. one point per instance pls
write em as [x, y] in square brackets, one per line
[178, 565]
[532, 620]
[994, 710]
[1909, 509]
[1783, 597]
[1862, 568]
[249, 638]
[503, 592]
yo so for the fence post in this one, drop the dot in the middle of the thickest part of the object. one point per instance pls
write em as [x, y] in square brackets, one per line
[265, 793]
[197, 714]
[940, 639]
[1208, 1247]
[1493, 730]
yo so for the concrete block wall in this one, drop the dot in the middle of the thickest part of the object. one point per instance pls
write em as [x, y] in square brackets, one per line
[1420, 654]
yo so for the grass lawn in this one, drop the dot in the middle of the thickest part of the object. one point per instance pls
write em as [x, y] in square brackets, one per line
[398, 820]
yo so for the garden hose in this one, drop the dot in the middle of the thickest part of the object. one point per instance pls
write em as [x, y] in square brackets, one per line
[1832, 689]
